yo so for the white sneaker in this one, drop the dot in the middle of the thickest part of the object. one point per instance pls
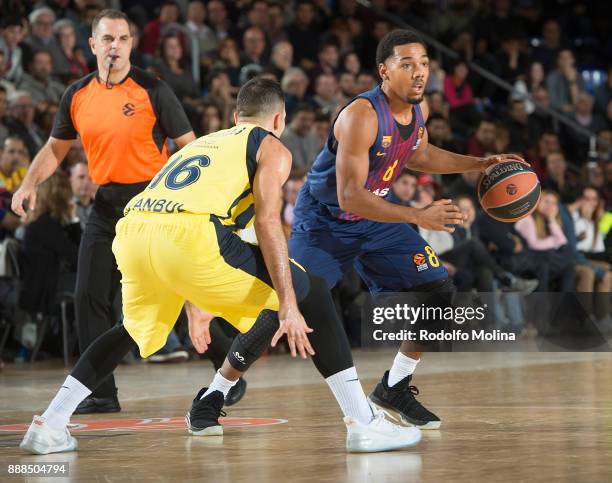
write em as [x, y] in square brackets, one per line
[41, 439]
[379, 435]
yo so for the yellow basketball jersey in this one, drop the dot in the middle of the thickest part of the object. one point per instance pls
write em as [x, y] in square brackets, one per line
[212, 175]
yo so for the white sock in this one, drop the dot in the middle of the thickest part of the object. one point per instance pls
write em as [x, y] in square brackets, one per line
[403, 366]
[65, 402]
[348, 392]
[219, 383]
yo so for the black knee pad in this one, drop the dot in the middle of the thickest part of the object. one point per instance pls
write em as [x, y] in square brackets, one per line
[248, 347]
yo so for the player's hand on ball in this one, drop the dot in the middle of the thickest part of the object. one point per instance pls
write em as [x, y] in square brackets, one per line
[440, 214]
[293, 324]
[491, 161]
[199, 327]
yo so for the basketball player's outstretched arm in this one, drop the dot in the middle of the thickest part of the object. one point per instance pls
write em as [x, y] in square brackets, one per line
[44, 165]
[273, 167]
[356, 130]
[431, 159]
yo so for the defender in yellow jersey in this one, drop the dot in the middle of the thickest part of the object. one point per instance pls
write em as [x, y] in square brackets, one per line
[177, 243]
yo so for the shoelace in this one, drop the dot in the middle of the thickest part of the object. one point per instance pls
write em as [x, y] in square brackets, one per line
[381, 420]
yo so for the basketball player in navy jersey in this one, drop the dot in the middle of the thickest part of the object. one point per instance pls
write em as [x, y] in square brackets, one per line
[342, 219]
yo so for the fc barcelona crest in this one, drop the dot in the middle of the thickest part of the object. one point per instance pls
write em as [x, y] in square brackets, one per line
[420, 133]
[386, 141]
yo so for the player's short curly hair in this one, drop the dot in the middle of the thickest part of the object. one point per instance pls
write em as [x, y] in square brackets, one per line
[393, 39]
[259, 97]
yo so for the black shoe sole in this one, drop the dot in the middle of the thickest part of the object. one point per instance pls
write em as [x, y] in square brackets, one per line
[415, 422]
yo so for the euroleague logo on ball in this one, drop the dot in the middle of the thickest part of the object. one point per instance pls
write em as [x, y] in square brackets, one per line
[511, 189]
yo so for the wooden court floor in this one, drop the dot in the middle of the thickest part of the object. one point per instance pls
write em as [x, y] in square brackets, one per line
[509, 417]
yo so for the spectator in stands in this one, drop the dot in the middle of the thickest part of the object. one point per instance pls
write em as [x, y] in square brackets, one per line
[173, 68]
[302, 33]
[482, 141]
[435, 82]
[498, 23]
[294, 84]
[532, 81]
[593, 175]
[11, 35]
[211, 119]
[21, 121]
[467, 259]
[51, 240]
[512, 62]
[3, 103]
[254, 44]
[14, 162]
[300, 138]
[218, 20]
[587, 213]
[42, 38]
[83, 191]
[365, 82]
[348, 85]
[464, 185]
[506, 247]
[540, 121]
[543, 233]
[326, 93]
[7, 86]
[519, 127]
[440, 134]
[564, 84]
[350, 62]
[228, 60]
[547, 52]
[38, 81]
[585, 116]
[276, 24]
[169, 14]
[328, 57]
[66, 38]
[221, 91]
[45, 117]
[603, 94]
[256, 15]
[457, 90]
[281, 58]
[558, 178]
[196, 15]
[404, 189]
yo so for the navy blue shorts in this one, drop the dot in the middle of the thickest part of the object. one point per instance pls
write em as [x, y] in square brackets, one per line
[389, 257]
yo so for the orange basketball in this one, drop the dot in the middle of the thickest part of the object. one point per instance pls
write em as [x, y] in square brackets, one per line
[509, 191]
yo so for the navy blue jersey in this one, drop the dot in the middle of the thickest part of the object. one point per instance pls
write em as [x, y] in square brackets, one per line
[388, 155]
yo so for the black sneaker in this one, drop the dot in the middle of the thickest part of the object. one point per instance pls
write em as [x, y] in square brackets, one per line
[236, 393]
[400, 398]
[203, 418]
[92, 404]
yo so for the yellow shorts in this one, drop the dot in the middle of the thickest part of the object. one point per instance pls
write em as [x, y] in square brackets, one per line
[167, 259]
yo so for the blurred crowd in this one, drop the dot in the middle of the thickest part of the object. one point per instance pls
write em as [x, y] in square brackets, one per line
[552, 53]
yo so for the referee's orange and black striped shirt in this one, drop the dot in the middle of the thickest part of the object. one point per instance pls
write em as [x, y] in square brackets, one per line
[123, 128]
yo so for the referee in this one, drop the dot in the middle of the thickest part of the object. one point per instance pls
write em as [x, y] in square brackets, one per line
[123, 116]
